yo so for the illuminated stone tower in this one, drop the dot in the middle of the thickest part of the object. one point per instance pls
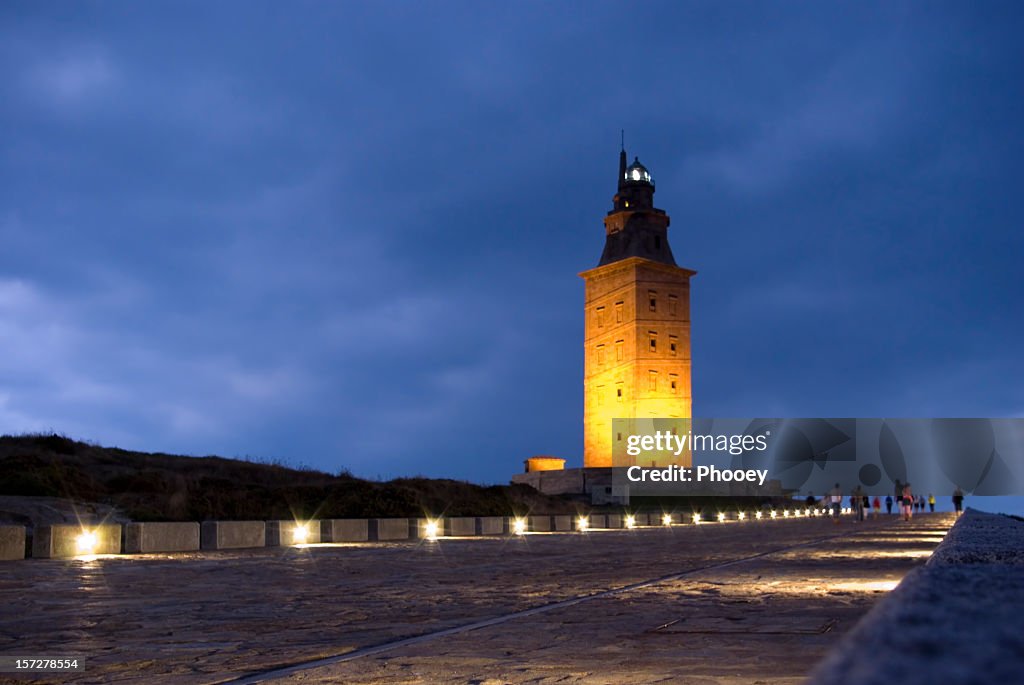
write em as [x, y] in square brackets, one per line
[637, 349]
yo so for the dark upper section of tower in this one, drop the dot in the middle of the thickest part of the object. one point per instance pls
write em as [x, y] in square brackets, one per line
[634, 227]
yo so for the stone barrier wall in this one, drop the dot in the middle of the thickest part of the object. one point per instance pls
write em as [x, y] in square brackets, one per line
[346, 530]
[390, 529]
[539, 524]
[494, 525]
[954, 620]
[233, 534]
[62, 540]
[460, 526]
[143, 538]
[12, 542]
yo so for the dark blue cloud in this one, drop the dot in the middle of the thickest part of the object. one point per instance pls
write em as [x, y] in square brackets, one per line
[348, 235]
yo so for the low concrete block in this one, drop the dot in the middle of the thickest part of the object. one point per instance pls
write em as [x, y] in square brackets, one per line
[144, 538]
[64, 540]
[346, 530]
[561, 523]
[390, 529]
[540, 524]
[287, 533]
[460, 526]
[494, 525]
[233, 534]
[598, 520]
[614, 521]
[12, 542]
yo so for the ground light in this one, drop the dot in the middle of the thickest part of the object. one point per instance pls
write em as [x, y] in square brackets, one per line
[741, 516]
[85, 542]
[774, 513]
[721, 516]
[785, 513]
[696, 518]
[758, 515]
[583, 523]
[430, 530]
[519, 526]
[300, 534]
[630, 522]
[666, 519]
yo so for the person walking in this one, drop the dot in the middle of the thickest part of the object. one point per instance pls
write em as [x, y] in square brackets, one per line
[888, 504]
[898, 494]
[922, 502]
[876, 507]
[908, 502]
[958, 500]
[931, 502]
[835, 497]
[857, 503]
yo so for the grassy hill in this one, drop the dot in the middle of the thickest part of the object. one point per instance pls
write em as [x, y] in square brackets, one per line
[165, 487]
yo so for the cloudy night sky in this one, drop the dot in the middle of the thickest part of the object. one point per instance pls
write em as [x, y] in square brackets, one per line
[347, 235]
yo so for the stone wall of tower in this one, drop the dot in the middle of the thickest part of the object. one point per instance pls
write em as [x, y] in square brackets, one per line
[625, 376]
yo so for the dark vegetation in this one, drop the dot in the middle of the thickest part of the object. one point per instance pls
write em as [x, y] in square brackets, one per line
[164, 487]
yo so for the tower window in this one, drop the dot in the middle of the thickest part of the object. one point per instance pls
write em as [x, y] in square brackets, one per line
[600, 317]
[618, 312]
[600, 395]
[673, 304]
[653, 337]
[673, 382]
[673, 343]
[618, 392]
[600, 355]
[657, 242]
[652, 299]
[619, 351]
[652, 380]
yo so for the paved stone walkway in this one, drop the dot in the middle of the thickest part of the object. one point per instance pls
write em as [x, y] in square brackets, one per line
[215, 617]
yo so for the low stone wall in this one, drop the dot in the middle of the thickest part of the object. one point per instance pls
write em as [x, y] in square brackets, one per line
[233, 534]
[61, 540]
[12, 542]
[460, 526]
[598, 521]
[613, 521]
[561, 523]
[494, 525]
[391, 529]
[346, 530]
[143, 538]
[539, 524]
[954, 620]
[292, 532]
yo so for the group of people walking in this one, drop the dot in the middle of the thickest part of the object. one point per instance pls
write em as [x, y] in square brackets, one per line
[903, 497]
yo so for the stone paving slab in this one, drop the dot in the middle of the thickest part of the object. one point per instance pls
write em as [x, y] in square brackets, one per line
[208, 617]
